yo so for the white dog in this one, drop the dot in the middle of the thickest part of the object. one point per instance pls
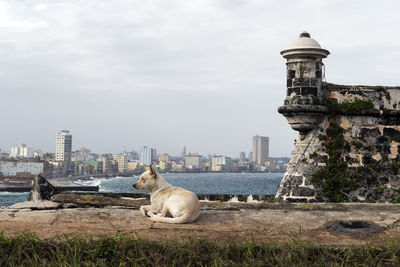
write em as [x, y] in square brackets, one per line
[181, 204]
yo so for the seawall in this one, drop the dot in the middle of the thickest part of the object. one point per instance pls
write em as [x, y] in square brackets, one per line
[324, 224]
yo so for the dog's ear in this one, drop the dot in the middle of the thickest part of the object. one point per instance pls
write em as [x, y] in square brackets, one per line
[152, 171]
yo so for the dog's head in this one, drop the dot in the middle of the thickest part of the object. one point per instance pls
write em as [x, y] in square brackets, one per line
[147, 180]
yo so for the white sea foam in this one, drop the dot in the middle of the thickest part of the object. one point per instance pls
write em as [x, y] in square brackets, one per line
[250, 199]
[106, 184]
[91, 182]
[234, 199]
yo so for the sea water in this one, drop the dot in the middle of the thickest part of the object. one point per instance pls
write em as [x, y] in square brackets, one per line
[200, 183]
[10, 198]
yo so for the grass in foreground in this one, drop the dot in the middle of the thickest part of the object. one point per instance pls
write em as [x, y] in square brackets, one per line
[123, 250]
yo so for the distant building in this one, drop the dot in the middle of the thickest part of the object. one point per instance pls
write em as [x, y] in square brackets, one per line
[164, 157]
[21, 151]
[177, 166]
[193, 161]
[147, 155]
[132, 165]
[20, 168]
[106, 164]
[132, 155]
[183, 152]
[120, 160]
[207, 165]
[221, 163]
[242, 157]
[163, 165]
[4, 155]
[153, 154]
[64, 146]
[88, 167]
[37, 153]
[260, 149]
[83, 155]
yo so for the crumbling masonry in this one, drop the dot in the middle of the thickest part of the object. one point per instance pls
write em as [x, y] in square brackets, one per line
[349, 136]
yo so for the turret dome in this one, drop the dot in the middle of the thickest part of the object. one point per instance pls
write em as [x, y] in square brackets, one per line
[304, 41]
[304, 46]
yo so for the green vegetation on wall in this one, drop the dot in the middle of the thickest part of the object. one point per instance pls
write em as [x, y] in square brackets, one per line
[354, 107]
[356, 144]
[334, 179]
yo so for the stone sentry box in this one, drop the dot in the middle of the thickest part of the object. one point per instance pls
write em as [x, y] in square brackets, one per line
[347, 149]
[304, 93]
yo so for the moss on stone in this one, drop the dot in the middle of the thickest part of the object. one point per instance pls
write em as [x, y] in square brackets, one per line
[334, 179]
[348, 108]
[395, 168]
[356, 144]
[313, 155]
[396, 138]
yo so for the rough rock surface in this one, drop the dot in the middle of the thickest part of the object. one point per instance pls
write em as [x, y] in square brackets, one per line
[366, 144]
[41, 189]
[224, 221]
[136, 200]
[97, 200]
[36, 205]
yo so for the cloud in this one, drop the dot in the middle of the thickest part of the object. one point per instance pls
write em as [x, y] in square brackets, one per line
[208, 74]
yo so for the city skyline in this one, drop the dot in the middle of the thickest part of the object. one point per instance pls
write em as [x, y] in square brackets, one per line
[206, 74]
[23, 163]
[64, 137]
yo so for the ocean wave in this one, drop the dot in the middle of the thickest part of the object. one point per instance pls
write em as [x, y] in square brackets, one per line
[105, 184]
[91, 182]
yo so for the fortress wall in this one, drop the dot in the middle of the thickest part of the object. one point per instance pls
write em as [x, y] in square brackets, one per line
[352, 153]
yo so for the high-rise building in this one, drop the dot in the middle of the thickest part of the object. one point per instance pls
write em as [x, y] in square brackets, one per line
[121, 161]
[21, 151]
[146, 155]
[183, 155]
[63, 146]
[106, 163]
[260, 152]
[242, 157]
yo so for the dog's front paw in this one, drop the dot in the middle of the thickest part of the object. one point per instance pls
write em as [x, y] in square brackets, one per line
[149, 214]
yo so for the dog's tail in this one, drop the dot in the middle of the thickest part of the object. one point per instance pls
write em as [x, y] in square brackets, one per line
[185, 218]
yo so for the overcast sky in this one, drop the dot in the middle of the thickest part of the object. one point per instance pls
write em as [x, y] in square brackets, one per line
[207, 74]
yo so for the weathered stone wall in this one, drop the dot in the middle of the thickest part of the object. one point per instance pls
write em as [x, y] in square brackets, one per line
[353, 152]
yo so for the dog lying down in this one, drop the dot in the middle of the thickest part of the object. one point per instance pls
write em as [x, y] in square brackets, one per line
[182, 205]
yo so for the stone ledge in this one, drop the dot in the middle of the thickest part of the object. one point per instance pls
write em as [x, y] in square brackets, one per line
[287, 109]
[115, 200]
[36, 205]
[272, 223]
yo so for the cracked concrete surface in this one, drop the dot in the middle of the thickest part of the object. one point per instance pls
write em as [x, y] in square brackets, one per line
[218, 221]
